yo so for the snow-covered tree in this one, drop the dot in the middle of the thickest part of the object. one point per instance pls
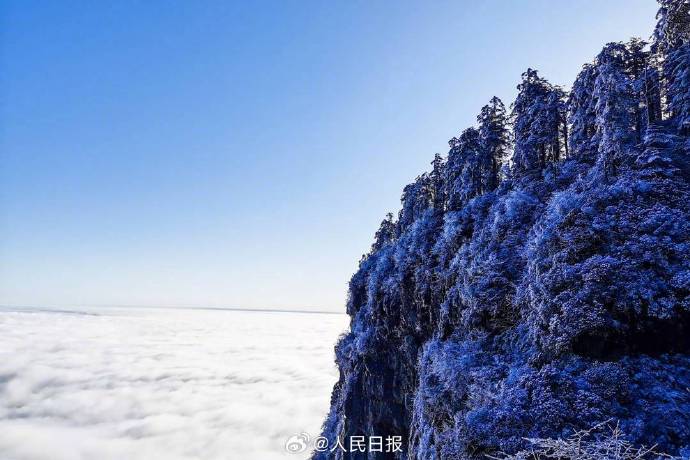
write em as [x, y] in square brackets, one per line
[673, 24]
[464, 179]
[582, 114]
[494, 139]
[616, 106]
[538, 123]
[642, 69]
[385, 234]
[437, 177]
[677, 74]
[417, 197]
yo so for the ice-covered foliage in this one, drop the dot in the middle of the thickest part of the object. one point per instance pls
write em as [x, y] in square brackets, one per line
[534, 296]
[494, 139]
[677, 71]
[582, 114]
[601, 442]
[539, 123]
[673, 25]
[616, 102]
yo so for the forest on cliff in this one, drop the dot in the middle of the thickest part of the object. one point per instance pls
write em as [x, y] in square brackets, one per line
[536, 281]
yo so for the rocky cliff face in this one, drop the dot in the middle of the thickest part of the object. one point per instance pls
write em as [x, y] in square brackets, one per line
[537, 280]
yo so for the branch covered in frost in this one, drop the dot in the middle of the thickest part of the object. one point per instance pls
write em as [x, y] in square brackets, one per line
[603, 441]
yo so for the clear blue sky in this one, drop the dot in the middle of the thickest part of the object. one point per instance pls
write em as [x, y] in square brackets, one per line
[215, 153]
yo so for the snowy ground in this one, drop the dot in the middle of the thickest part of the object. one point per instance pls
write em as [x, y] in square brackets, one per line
[162, 383]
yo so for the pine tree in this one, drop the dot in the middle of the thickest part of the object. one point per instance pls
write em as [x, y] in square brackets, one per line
[454, 166]
[673, 25]
[385, 234]
[464, 179]
[671, 38]
[417, 197]
[616, 106]
[650, 88]
[582, 114]
[538, 123]
[641, 68]
[677, 73]
[493, 137]
[438, 182]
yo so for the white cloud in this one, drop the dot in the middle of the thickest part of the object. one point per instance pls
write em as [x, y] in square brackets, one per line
[162, 383]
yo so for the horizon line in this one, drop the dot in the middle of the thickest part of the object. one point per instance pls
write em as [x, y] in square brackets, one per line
[168, 307]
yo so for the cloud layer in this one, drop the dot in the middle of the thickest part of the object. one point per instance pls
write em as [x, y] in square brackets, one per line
[162, 383]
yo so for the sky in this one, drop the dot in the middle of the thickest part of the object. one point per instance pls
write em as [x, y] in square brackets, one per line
[242, 154]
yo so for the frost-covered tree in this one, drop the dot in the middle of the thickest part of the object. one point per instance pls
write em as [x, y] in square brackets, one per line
[385, 234]
[616, 106]
[673, 24]
[642, 69]
[582, 114]
[437, 177]
[417, 197]
[672, 44]
[677, 73]
[539, 123]
[494, 139]
[464, 176]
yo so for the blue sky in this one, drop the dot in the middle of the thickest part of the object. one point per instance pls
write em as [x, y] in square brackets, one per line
[220, 153]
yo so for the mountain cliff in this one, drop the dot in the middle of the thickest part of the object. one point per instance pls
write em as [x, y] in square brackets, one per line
[537, 280]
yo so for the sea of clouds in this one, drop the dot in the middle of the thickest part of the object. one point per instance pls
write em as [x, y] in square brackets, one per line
[168, 384]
